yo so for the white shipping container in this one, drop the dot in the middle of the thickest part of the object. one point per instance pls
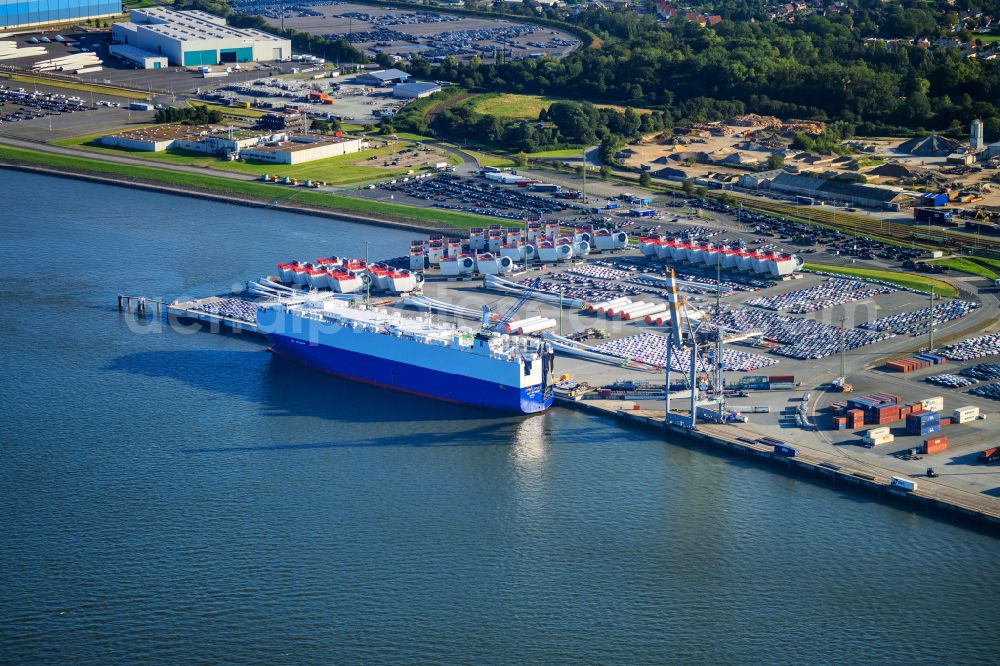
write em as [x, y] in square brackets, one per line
[965, 414]
[881, 439]
[905, 484]
[935, 404]
[876, 432]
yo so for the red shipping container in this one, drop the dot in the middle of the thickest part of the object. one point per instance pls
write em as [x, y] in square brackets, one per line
[935, 445]
[945, 420]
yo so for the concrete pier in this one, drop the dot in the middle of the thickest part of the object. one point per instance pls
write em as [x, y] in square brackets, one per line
[927, 497]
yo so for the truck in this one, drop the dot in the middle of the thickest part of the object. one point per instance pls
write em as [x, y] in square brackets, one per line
[903, 484]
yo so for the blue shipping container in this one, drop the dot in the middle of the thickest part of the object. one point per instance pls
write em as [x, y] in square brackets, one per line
[787, 451]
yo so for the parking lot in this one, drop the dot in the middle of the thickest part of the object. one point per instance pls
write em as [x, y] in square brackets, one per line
[433, 35]
[347, 100]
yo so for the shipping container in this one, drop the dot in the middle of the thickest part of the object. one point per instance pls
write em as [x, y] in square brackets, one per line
[934, 445]
[785, 450]
[965, 414]
[904, 484]
[935, 404]
[990, 455]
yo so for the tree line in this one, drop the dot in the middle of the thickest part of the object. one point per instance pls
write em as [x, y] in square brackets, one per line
[817, 68]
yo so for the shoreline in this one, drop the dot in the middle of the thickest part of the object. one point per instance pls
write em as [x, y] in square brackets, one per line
[806, 464]
[178, 190]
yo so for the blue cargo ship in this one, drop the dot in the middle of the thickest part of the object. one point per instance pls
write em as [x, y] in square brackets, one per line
[417, 355]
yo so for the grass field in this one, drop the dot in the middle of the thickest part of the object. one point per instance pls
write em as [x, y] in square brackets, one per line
[986, 39]
[489, 159]
[251, 114]
[980, 266]
[526, 107]
[84, 87]
[557, 154]
[257, 190]
[907, 280]
[341, 170]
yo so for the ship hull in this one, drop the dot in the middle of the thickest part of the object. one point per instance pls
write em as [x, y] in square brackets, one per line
[413, 379]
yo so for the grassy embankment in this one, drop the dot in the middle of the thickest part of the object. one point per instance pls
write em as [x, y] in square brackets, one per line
[981, 266]
[72, 85]
[901, 279]
[262, 192]
[513, 106]
[340, 170]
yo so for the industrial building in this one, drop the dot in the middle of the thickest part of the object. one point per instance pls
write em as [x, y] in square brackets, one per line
[300, 149]
[277, 147]
[382, 77]
[860, 195]
[415, 90]
[195, 38]
[22, 14]
[141, 59]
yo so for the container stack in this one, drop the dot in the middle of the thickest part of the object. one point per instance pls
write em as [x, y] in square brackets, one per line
[840, 422]
[855, 419]
[935, 445]
[915, 362]
[877, 436]
[964, 414]
[925, 423]
[878, 408]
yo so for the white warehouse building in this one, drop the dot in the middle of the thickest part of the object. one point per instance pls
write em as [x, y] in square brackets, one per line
[194, 38]
[299, 149]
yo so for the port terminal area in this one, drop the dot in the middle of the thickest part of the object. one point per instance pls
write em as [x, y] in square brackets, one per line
[795, 409]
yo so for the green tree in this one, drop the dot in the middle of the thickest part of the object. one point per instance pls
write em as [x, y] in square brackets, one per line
[520, 159]
[645, 180]
[775, 161]
[688, 187]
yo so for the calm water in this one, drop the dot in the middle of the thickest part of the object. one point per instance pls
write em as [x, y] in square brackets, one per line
[182, 498]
